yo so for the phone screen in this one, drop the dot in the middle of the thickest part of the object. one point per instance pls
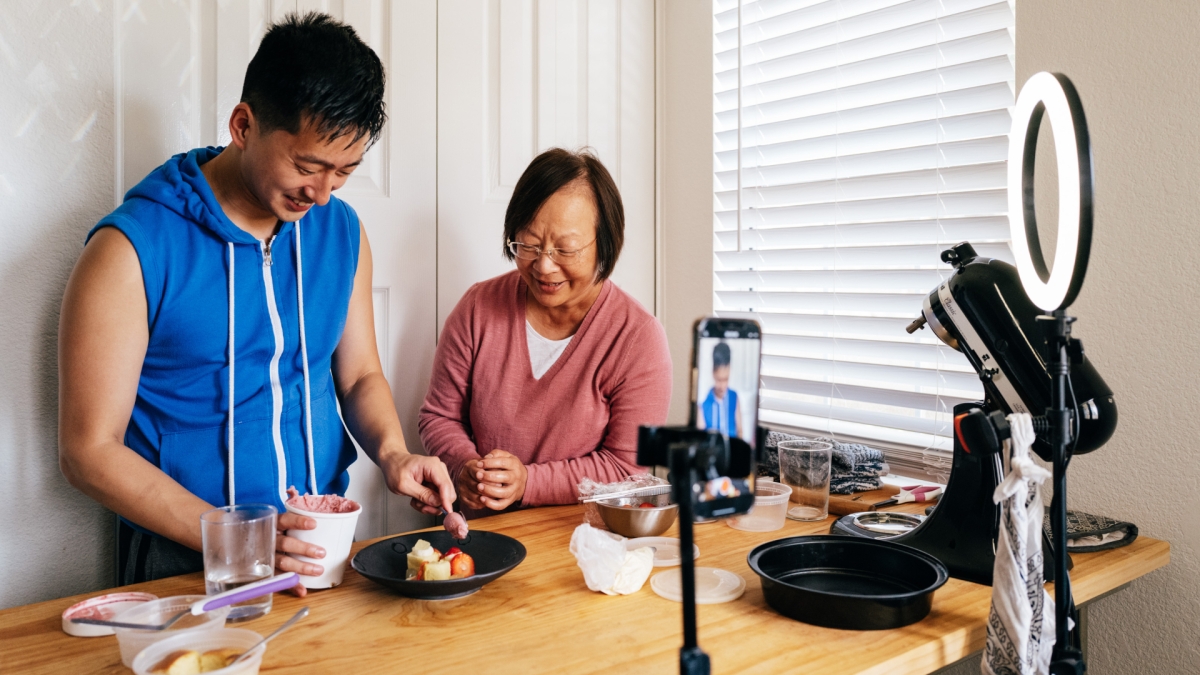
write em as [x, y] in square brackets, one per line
[727, 376]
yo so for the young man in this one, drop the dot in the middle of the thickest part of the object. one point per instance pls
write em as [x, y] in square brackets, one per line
[218, 316]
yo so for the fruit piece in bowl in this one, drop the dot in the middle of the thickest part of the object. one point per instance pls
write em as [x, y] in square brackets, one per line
[426, 563]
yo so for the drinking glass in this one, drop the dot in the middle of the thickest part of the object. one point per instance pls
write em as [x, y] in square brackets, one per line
[804, 466]
[239, 548]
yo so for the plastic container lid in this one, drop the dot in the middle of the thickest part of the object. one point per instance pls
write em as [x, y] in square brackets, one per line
[100, 607]
[713, 585]
[666, 549]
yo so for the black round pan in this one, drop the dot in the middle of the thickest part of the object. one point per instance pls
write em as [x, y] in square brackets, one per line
[386, 562]
[847, 582]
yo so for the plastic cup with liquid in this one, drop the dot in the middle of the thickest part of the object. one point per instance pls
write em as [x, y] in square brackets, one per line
[239, 548]
[804, 466]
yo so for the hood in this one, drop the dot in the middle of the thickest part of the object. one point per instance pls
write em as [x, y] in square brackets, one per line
[180, 186]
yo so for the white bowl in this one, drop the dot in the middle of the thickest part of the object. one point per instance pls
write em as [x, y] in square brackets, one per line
[133, 641]
[202, 641]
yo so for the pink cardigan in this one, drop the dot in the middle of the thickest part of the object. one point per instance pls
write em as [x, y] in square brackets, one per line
[579, 420]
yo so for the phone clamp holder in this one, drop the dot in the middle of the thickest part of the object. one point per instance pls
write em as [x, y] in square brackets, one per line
[694, 457]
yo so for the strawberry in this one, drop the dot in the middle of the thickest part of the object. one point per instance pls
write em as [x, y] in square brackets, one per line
[462, 565]
[646, 505]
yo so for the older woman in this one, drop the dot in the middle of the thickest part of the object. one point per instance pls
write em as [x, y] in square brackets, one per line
[543, 375]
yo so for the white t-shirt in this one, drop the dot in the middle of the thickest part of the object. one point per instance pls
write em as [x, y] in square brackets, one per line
[543, 352]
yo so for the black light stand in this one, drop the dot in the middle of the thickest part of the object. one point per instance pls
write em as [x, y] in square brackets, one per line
[1067, 658]
[682, 456]
[695, 456]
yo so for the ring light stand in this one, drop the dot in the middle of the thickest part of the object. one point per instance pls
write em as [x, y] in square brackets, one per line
[1054, 292]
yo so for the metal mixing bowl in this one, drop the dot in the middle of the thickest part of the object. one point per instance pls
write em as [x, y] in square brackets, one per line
[636, 521]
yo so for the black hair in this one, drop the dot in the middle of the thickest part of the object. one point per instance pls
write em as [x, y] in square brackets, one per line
[315, 69]
[553, 170]
[721, 355]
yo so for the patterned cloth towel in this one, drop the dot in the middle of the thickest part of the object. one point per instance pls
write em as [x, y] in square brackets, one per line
[1087, 533]
[856, 468]
[1020, 627]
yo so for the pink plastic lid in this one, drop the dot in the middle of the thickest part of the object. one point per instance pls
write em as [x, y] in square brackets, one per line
[100, 607]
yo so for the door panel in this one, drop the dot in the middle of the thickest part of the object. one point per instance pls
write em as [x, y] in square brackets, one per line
[516, 77]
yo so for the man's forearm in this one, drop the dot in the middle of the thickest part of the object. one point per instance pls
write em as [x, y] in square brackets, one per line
[124, 482]
[370, 414]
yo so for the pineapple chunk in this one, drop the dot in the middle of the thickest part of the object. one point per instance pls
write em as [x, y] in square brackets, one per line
[422, 553]
[438, 570]
[182, 662]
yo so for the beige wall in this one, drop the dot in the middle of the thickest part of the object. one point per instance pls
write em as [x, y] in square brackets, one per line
[1135, 66]
[685, 163]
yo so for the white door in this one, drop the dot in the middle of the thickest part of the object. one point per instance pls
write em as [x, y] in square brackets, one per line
[475, 88]
[516, 77]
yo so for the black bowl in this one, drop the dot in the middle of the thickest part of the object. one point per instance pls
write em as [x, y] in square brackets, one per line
[847, 582]
[386, 562]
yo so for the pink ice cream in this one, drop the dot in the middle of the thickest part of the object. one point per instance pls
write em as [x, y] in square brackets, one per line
[456, 525]
[322, 503]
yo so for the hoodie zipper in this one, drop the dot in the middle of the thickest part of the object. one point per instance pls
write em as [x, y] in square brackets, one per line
[276, 385]
[267, 250]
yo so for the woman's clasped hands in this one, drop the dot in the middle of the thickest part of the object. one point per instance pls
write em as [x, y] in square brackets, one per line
[494, 481]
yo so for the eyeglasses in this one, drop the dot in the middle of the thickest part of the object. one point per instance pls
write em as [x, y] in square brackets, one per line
[558, 255]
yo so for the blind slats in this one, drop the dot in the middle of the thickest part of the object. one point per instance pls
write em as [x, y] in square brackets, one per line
[934, 106]
[871, 136]
[919, 232]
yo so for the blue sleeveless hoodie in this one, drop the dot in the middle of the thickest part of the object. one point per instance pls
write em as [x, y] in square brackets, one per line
[236, 401]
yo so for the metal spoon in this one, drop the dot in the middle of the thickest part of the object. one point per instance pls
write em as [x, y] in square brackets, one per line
[136, 626]
[286, 625]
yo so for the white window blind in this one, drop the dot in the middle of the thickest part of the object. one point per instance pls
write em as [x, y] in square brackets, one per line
[871, 135]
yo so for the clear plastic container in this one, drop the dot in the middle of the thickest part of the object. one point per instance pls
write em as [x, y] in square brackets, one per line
[769, 511]
[133, 641]
[202, 641]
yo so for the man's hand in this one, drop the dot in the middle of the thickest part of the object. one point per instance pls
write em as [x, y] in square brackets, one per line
[285, 544]
[502, 479]
[425, 479]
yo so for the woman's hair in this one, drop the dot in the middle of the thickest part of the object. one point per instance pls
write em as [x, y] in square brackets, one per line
[721, 355]
[548, 173]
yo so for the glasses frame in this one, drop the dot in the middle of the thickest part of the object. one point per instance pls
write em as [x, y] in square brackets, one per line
[515, 248]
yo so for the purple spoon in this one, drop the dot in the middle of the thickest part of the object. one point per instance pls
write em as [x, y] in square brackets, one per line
[279, 582]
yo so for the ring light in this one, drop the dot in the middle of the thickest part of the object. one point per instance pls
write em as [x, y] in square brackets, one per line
[1052, 93]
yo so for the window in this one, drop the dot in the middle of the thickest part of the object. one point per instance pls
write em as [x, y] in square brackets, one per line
[854, 141]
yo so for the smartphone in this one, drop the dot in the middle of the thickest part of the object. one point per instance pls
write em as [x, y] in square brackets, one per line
[726, 365]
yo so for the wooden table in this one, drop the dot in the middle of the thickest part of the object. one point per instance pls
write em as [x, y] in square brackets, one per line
[540, 618]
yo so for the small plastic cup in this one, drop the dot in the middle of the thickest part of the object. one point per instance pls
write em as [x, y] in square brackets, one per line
[805, 465]
[335, 534]
[203, 641]
[133, 641]
[769, 511]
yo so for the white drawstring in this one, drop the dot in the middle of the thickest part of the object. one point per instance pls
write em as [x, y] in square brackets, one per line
[312, 466]
[232, 398]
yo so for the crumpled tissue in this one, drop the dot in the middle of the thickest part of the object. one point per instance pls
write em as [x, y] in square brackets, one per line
[607, 566]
